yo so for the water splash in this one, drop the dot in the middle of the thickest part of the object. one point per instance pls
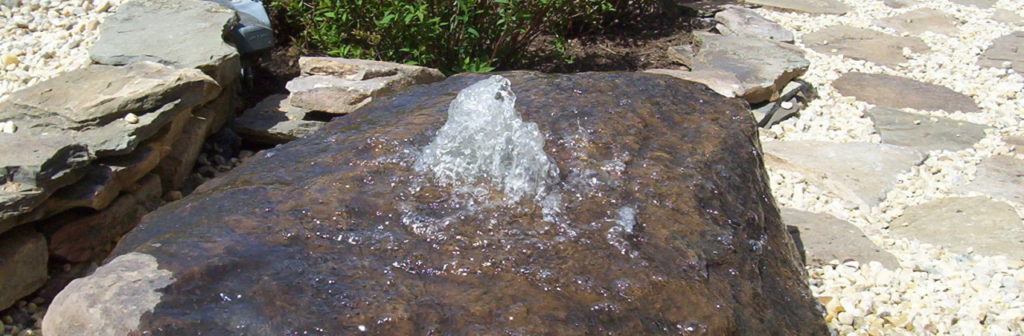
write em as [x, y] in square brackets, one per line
[485, 140]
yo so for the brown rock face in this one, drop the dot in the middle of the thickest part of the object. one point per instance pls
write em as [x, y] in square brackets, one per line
[665, 226]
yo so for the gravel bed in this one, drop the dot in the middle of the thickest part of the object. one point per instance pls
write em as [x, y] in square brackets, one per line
[935, 291]
[40, 39]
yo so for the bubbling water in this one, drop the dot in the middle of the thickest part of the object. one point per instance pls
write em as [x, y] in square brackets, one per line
[485, 140]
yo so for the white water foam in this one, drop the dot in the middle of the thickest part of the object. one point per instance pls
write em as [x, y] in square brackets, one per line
[485, 140]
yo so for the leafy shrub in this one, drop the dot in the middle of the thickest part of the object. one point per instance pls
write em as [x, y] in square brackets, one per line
[452, 35]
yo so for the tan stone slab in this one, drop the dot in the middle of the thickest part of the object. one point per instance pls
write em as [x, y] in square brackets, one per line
[976, 3]
[899, 92]
[961, 223]
[921, 20]
[825, 238]
[1008, 17]
[925, 133]
[1000, 177]
[861, 173]
[805, 6]
[863, 44]
[1005, 52]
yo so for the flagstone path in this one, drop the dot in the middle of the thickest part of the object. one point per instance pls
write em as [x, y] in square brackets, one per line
[896, 77]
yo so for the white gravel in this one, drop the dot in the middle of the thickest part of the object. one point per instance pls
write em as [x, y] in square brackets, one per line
[935, 291]
[40, 39]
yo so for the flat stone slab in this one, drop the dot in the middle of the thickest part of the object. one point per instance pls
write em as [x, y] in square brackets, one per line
[976, 3]
[899, 92]
[900, 3]
[863, 44]
[78, 237]
[1005, 52]
[33, 169]
[921, 20]
[960, 223]
[179, 33]
[739, 21]
[1008, 17]
[1000, 177]
[924, 133]
[341, 86]
[23, 264]
[761, 78]
[723, 83]
[825, 238]
[861, 172]
[805, 6]
[275, 121]
[60, 130]
[1016, 142]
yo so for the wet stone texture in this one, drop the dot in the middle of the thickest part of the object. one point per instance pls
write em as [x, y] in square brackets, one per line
[665, 225]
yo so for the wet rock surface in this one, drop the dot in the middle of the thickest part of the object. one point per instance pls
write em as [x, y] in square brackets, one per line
[665, 225]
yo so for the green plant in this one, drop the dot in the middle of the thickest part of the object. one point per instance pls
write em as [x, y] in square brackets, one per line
[452, 35]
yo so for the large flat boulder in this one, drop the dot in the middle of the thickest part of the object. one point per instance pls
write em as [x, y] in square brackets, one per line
[899, 92]
[863, 44]
[643, 209]
[759, 78]
[180, 33]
